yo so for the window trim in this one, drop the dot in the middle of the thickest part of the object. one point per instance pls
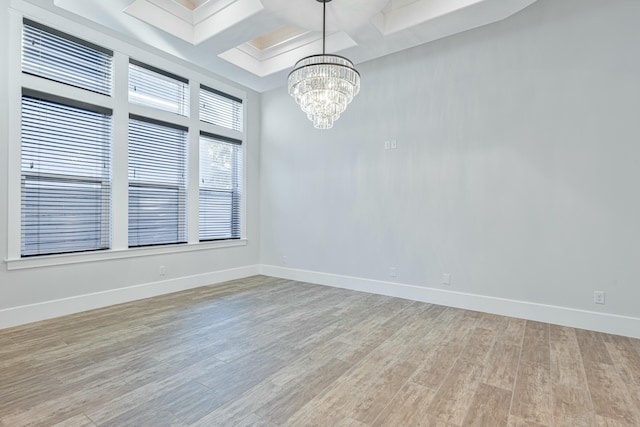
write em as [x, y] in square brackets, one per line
[110, 254]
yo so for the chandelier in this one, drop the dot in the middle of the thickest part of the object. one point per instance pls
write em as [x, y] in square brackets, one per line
[323, 85]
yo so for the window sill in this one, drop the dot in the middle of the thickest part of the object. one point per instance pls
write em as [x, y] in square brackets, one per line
[62, 259]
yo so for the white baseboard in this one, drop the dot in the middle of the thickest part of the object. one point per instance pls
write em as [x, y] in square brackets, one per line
[583, 319]
[15, 316]
[602, 322]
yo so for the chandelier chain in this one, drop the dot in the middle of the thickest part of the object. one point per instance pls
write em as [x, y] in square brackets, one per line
[324, 25]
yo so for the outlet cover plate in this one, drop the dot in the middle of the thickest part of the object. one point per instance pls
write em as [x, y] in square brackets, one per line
[598, 297]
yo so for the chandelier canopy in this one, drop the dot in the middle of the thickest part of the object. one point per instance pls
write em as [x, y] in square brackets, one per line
[323, 85]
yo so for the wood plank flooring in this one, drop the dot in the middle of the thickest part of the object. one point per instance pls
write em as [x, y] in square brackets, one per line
[272, 352]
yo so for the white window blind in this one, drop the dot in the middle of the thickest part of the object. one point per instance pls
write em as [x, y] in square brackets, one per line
[220, 187]
[159, 89]
[157, 183]
[66, 170]
[221, 109]
[57, 56]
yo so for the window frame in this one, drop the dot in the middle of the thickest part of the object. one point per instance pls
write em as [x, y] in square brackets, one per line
[118, 102]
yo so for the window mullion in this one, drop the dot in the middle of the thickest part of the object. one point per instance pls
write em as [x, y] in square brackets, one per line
[193, 161]
[120, 151]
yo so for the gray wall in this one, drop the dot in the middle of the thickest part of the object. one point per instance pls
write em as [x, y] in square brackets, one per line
[517, 167]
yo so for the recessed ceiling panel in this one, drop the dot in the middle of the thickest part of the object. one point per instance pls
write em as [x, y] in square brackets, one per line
[193, 21]
[191, 4]
[400, 15]
[276, 37]
[282, 56]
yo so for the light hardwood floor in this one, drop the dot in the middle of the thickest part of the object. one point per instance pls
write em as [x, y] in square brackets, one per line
[269, 352]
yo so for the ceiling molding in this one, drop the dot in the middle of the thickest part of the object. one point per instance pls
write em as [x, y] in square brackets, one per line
[256, 43]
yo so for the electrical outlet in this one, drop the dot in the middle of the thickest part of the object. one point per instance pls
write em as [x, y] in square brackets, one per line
[598, 297]
[394, 144]
[446, 279]
[284, 260]
[162, 270]
[394, 272]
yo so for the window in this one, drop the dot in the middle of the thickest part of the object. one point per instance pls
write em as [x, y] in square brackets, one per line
[57, 56]
[68, 115]
[156, 88]
[220, 187]
[65, 147]
[220, 109]
[157, 183]
[66, 169]
[157, 159]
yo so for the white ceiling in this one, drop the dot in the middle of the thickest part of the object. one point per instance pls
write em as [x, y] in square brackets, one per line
[257, 42]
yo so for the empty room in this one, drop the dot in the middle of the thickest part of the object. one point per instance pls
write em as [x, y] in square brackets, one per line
[319, 213]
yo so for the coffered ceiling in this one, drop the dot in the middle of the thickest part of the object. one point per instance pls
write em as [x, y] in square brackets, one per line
[257, 42]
